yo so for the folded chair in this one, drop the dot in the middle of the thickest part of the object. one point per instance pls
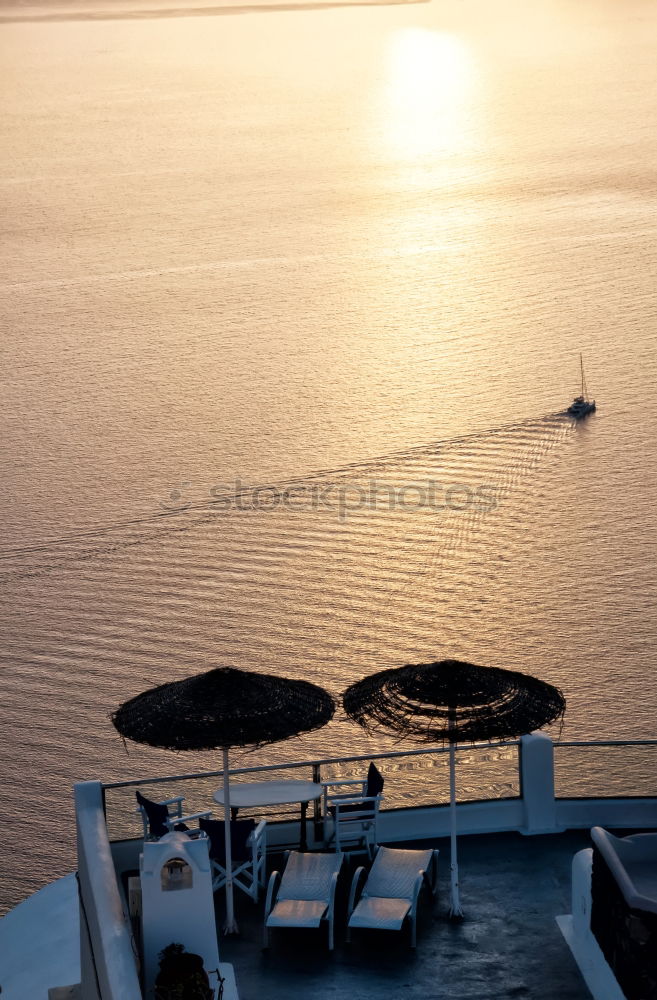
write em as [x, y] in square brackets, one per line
[158, 819]
[304, 896]
[248, 848]
[351, 814]
[390, 893]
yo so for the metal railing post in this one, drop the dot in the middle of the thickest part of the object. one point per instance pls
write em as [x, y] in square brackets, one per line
[318, 824]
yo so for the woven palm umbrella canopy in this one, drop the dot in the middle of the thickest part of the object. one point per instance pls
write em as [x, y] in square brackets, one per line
[454, 702]
[223, 709]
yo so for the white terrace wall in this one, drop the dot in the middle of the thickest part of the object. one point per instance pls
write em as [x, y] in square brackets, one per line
[107, 962]
[108, 965]
[535, 812]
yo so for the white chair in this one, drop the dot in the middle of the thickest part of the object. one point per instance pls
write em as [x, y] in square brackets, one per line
[160, 818]
[353, 824]
[351, 812]
[304, 896]
[248, 848]
[391, 890]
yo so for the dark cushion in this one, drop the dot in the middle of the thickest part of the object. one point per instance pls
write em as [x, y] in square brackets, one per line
[240, 831]
[156, 814]
[374, 781]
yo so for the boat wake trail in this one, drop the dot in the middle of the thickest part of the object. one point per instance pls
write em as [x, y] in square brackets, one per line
[428, 498]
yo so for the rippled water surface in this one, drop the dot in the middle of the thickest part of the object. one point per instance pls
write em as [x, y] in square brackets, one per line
[352, 255]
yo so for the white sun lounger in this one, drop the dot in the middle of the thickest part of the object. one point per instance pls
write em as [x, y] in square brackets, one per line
[306, 894]
[391, 890]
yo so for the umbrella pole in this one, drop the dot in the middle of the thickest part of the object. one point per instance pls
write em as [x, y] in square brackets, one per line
[230, 927]
[455, 911]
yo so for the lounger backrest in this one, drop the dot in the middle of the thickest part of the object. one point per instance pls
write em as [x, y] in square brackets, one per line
[308, 876]
[394, 871]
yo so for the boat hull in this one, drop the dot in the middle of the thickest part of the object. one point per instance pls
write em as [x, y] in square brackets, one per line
[580, 408]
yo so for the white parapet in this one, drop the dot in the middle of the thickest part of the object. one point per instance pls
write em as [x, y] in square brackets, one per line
[537, 783]
[108, 969]
[576, 929]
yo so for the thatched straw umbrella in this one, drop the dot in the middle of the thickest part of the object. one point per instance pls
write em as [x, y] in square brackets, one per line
[224, 708]
[454, 702]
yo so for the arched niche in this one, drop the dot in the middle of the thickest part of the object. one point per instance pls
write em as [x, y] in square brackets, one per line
[176, 874]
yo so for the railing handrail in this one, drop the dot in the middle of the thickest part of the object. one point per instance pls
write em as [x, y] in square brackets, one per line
[604, 743]
[418, 751]
[394, 754]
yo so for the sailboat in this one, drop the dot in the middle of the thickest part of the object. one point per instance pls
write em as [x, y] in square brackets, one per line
[581, 406]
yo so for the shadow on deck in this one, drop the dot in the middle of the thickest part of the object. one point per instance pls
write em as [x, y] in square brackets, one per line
[508, 946]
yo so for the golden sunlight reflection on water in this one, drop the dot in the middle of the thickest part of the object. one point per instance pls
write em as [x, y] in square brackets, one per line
[426, 107]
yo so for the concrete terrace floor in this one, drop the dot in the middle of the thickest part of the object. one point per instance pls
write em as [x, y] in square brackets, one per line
[508, 946]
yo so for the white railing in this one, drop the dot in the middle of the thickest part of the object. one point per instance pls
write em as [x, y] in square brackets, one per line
[414, 779]
[532, 784]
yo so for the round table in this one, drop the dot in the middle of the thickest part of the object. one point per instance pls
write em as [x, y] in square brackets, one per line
[251, 794]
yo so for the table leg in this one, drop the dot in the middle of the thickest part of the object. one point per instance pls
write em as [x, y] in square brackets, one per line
[303, 840]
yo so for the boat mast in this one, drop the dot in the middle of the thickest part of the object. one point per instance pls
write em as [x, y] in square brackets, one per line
[581, 365]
